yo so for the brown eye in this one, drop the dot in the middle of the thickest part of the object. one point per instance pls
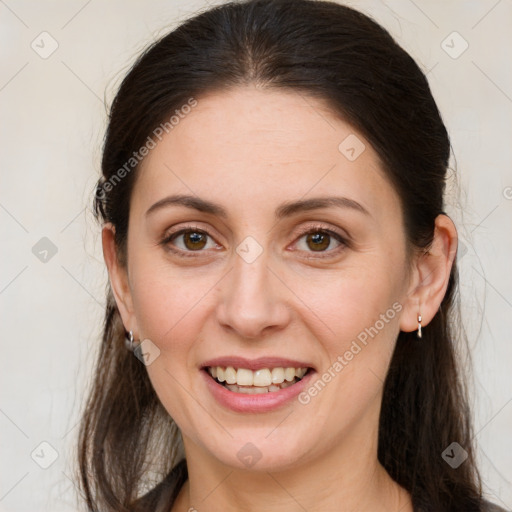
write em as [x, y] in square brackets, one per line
[322, 241]
[189, 241]
[194, 240]
[318, 241]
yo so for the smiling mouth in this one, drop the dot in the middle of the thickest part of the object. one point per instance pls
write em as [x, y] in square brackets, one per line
[264, 380]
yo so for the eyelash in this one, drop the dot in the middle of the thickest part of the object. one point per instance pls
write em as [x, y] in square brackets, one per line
[306, 231]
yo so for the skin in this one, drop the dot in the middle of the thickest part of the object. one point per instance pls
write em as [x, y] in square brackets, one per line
[250, 150]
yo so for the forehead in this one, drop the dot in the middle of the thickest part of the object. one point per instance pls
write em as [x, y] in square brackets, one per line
[247, 144]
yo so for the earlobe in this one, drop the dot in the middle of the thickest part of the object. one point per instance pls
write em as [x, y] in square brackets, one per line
[430, 276]
[118, 276]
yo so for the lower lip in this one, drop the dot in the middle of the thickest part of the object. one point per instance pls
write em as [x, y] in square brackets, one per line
[264, 402]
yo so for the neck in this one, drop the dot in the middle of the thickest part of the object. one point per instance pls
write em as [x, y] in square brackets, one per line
[347, 478]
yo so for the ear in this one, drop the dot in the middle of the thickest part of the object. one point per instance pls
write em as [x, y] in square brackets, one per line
[118, 275]
[430, 275]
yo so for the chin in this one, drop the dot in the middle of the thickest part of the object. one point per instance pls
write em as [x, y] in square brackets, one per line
[259, 451]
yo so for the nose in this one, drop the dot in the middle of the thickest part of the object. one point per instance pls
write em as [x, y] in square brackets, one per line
[252, 300]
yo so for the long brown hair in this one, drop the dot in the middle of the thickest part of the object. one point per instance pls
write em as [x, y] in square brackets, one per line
[341, 56]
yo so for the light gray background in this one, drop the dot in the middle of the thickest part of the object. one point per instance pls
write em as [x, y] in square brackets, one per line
[52, 123]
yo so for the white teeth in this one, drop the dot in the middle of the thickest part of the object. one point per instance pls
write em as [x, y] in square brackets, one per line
[230, 375]
[263, 380]
[244, 377]
[289, 374]
[256, 390]
[277, 375]
[250, 390]
[262, 377]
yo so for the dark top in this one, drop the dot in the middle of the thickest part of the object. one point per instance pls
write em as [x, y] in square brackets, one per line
[162, 497]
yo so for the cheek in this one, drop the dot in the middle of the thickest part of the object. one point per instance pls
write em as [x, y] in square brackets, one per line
[169, 305]
[360, 313]
[361, 309]
[171, 312]
[354, 299]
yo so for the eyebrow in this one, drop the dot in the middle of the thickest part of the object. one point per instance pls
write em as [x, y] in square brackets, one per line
[286, 209]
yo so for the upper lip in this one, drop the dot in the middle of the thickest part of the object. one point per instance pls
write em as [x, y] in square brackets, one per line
[256, 364]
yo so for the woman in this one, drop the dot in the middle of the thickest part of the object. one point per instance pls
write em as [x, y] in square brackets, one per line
[279, 323]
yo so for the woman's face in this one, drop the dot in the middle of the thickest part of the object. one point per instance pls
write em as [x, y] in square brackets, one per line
[247, 287]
